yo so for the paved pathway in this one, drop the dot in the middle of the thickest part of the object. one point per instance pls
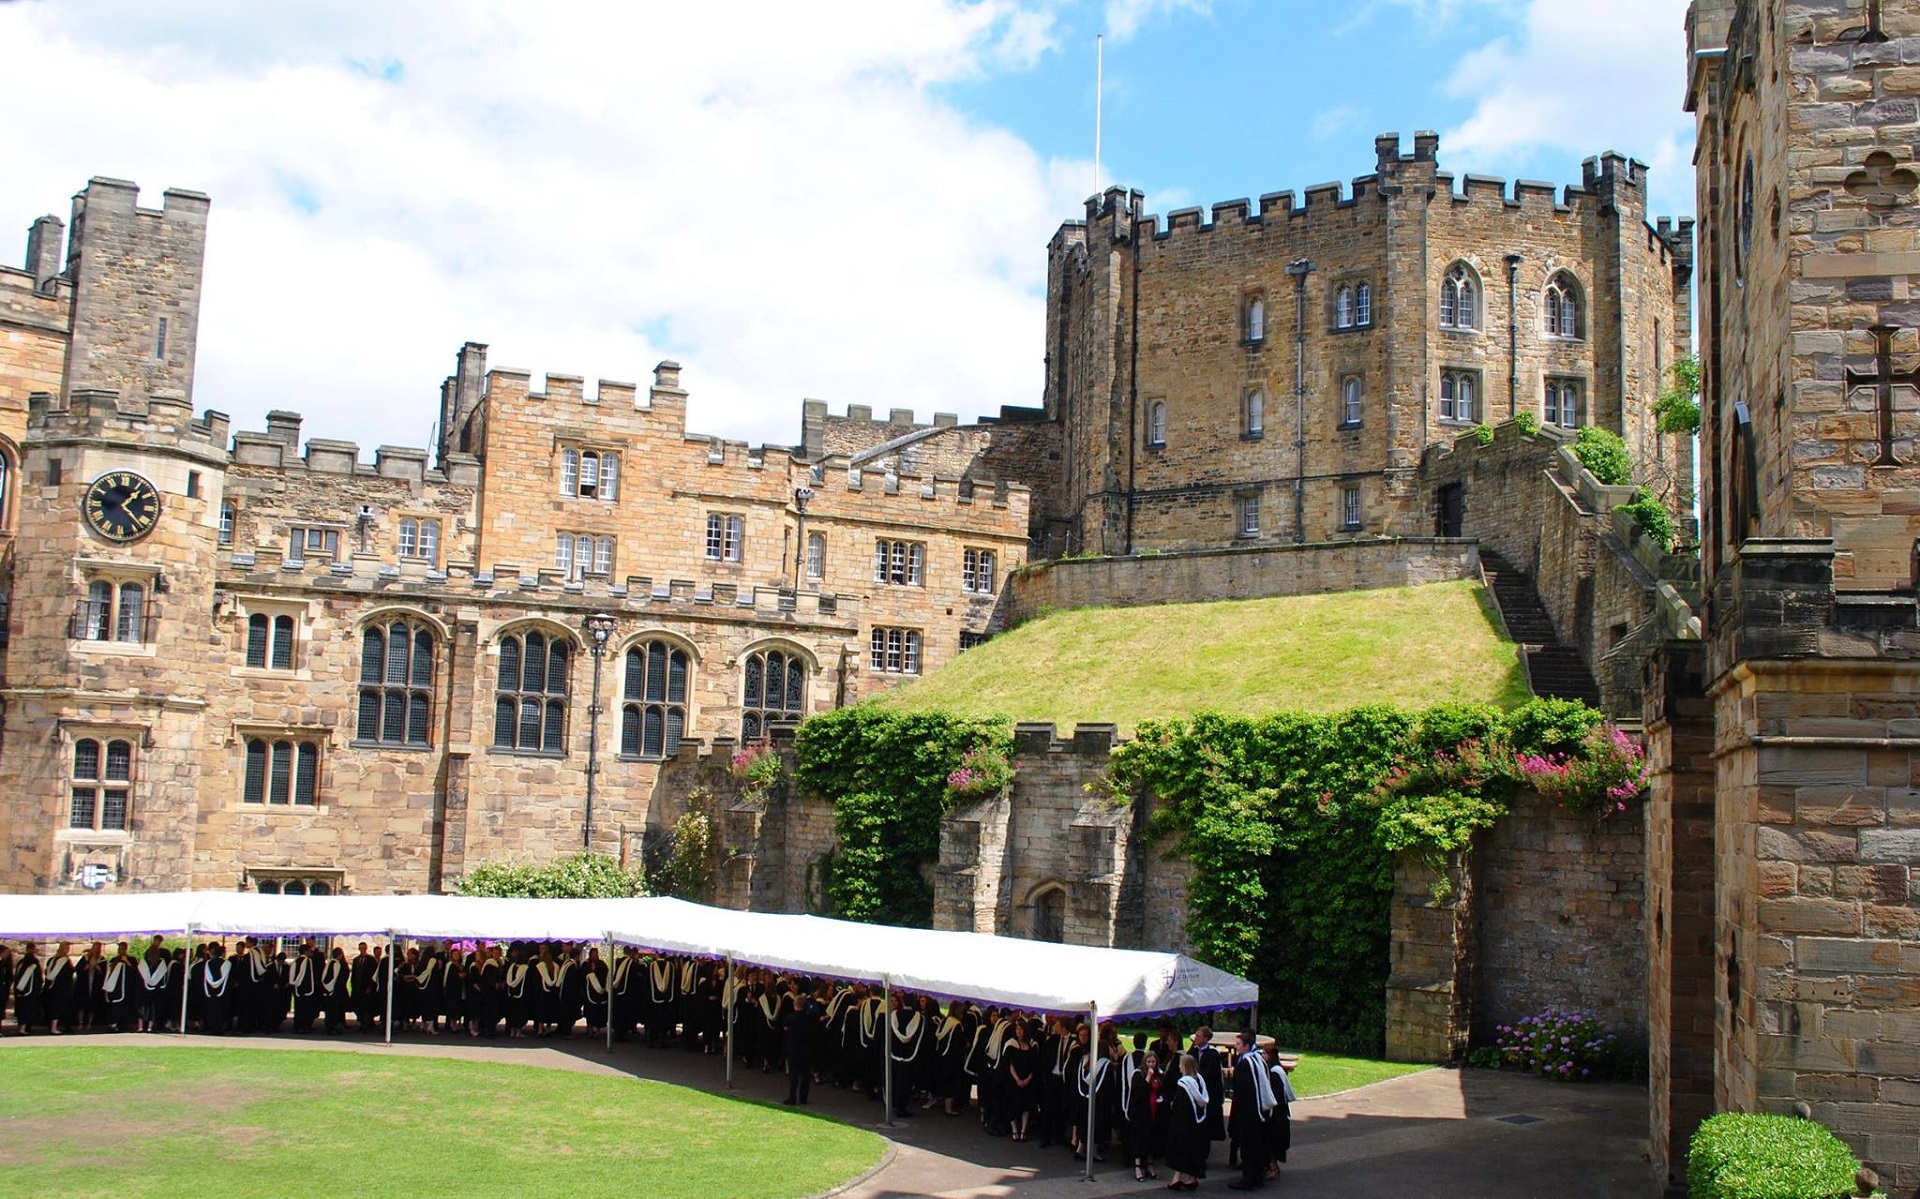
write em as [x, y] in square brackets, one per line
[1438, 1134]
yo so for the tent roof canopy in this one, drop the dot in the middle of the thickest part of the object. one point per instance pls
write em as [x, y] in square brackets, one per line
[1030, 975]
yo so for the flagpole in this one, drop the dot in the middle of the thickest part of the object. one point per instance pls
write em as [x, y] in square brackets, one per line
[1099, 81]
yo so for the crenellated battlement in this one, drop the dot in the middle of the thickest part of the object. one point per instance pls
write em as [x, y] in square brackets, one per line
[279, 448]
[1039, 738]
[156, 420]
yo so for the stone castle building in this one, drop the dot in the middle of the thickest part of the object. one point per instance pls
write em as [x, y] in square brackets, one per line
[1276, 373]
[236, 660]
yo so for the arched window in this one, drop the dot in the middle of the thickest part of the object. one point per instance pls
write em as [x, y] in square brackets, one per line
[1253, 417]
[1048, 915]
[1362, 304]
[6, 480]
[1343, 308]
[1156, 424]
[1457, 394]
[653, 716]
[776, 692]
[1350, 400]
[1460, 298]
[1256, 328]
[816, 556]
[530, 697]
[270, 641]
[396, 683]
[1560, 307]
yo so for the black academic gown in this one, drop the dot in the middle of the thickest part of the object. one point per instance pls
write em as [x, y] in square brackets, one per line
[303, 980]
[1187, 1139]
[364, 989]
[116, 994]
[1212, 1069]
[215, 986]
[334, 999]
[28, 995]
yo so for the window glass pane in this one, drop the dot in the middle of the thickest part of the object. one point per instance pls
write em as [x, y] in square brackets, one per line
[750, 727]
[589, 472]
[563, 554]
[422, 658]
[529, 724]
[796, 686]
[373, 657]
[269, 886]
[533, 675]
[419, 711]
[293, 886]
[256, 640]
[557, 670]
[319, 889]
[393, 725]
[399, 637]
[132, 610]
[610, 476]
[677, 677]
[280, 780]
[306, 781]
[653, 733]
[430, 540]
[283, 643]
[113, 808]
[256, 782]
[119, 761]
[556, 731]
[776, 681]
[676, 725]
[367, 728]
[80, 814]
[510, 664]
[756, 670]
[634, 685]
[656, 672]
[630, 729]
[603, 555]
[409, 537]
[503, 723]
[569, 472]
[714, 537]
[86, 759]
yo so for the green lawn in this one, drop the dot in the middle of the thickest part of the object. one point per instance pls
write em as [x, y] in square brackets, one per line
[1323, 1073]
[157, 1120]
[1412, 646]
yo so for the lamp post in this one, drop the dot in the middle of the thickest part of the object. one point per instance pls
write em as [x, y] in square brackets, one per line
[599, 628]
[800, 497]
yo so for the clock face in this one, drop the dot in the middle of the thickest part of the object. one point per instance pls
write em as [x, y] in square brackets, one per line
[122, 506]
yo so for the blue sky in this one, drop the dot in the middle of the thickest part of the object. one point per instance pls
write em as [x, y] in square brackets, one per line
[846, 200]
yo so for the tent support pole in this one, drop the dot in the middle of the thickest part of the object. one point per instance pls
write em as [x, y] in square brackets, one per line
[727, 996]
[609, 993]
[886, 1044]
[1093, 1087]
[393, 951]
[186, 979]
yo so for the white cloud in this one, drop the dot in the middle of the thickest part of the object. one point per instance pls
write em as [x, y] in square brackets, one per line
[1329, 122]
[773, 197]
[1126, 17]
[1580, 78]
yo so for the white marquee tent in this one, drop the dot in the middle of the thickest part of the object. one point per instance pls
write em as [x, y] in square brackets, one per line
[1026, 975]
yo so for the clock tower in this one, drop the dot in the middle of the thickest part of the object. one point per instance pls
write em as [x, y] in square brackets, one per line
[119, 498]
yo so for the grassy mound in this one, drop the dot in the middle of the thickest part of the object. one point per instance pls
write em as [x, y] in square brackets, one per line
[1412, 646]
[152, 1119]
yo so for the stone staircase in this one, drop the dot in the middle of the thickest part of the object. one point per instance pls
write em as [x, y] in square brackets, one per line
[1555, 670]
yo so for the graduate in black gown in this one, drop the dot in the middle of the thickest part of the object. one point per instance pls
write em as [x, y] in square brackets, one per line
[28, 991]
[517, 990]
[1140, 1106]
[86, 987]
[150, 990]
[215, 983]
[661, 978]
[906, 1031]
[771, 1033]
[303, 981]
[7, 967]
[1253, 1107]
[1212, 1066]
[1021, 1060]
[1187, 1139]
[176, 990]
[623, 993]
[593, 978]
[363, 982]
[1280, 1128]
[545, 985]
[573, 990]
[115, 1009]
[333, 986]
[56, 990]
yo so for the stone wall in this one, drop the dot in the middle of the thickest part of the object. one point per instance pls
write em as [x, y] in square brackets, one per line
[1250, 573]
[1559, 905]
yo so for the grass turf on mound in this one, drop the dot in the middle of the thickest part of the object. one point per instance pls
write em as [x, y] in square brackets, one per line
[158, 1120]
[1411, 646]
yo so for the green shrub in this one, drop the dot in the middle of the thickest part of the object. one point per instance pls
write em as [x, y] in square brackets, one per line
[1528, 422]
[581, 876]
[1604, 455]
[1484, 433]
[1748, 1155]
[1678, 408]
[1652, 517]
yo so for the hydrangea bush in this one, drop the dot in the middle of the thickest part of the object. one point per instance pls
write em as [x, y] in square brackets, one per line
[1566, 1046]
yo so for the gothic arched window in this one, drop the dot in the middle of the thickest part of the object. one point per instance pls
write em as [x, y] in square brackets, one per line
[653, 714]
[530, 696]
[1560, 306]
[396, 683]
[775, 692]
[1460, 298]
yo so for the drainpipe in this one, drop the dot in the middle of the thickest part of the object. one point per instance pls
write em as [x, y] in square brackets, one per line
[1133, 365]
[1513, 335]
[1299, 269]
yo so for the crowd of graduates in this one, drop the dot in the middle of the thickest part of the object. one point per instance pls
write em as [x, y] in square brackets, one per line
[1161, 1100]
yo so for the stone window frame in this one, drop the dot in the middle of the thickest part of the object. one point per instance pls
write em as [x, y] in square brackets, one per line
[575, 459]
[1352, 507]
[816, 560]
[726, 537]
[301, 539]
[979, 570]
[1156, 425]
[229, 521]
[1043, 896]
[1253, 413]
[1353, 396]
[9, 471]
[757, 716]
[1246, 513]
[1454, 375]
[578, 555]
[1460, 278]
[640, 701]
[314, 880]
[899, 563]
[378, 694]
[273, 635]
[895, 649]
[411, 540]
[102, 619]
[553, 706]
[1253, 318]
[1352, 305]
[1553, 390]
[1563, 305]
[97, 779]
[970, 639]
[262, 753]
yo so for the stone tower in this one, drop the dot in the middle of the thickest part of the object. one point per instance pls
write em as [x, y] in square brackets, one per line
[1784, 863]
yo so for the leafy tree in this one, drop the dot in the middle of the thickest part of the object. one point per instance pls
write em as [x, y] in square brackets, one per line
[1678, 408]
